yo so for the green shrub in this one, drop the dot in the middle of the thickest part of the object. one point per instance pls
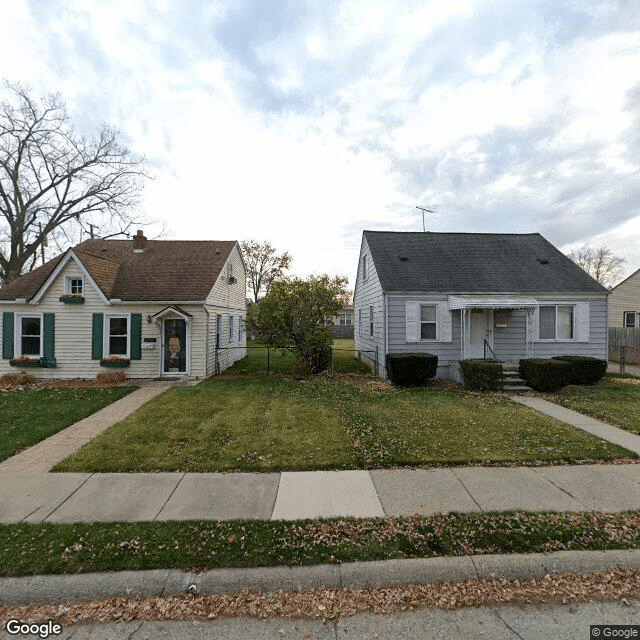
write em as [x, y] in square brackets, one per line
[546, 374]
[481, 375]
[411, 369]
[586, 370]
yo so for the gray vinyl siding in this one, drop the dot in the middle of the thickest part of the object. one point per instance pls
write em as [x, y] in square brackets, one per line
[447, 352]
[509, 344]
[368, 293]
[598, 330]
[625, 297]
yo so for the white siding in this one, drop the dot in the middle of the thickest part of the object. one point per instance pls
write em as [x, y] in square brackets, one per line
[227, 300]
[368, 293]
[73, 333]
[625, 297]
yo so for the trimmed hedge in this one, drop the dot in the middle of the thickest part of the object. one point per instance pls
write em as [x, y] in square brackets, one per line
[481, 375]
[411, 369]
[544, 374]
[586, 370]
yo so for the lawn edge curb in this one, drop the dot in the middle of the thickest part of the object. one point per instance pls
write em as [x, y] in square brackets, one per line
[161, 582]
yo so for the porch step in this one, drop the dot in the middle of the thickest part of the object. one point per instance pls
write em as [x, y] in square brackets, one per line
[511, 378]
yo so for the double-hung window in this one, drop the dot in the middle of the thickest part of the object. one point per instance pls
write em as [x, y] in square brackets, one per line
[428, 324]
[556, 322]
[371, 321]
[629, 319]
[117, 336]
[230, 328]
[345, 320]
[29, 341]
[360, 322]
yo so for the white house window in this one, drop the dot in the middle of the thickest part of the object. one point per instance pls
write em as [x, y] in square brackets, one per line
[73, 286]
[359, 322]
[230, 328]
[428, 322]
[117, 337]
[345, 320]
[630, 319]
[364, 267]
[30, 338]
[370, 321]
[556, 322]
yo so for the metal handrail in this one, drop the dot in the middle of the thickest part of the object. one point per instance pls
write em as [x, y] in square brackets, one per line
[486, 346]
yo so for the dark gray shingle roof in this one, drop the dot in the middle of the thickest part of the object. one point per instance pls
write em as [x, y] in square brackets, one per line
[474, 262]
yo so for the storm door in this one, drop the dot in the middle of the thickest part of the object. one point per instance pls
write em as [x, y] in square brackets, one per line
[174, 357]
[480, 321]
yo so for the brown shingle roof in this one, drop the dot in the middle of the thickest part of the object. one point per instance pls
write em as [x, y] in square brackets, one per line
[176, 270]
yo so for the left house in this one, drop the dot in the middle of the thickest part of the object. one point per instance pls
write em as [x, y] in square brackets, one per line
[149, 307]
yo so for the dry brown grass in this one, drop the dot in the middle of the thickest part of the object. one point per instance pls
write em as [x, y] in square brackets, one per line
[110, 377]
[10, 380]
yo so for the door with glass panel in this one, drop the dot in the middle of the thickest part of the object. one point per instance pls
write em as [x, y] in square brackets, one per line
[174, 356]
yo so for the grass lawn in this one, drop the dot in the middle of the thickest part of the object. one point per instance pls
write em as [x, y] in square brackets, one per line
[616, 400]
[30, 549]
[255, 423]
[28, 416]
[259, 358]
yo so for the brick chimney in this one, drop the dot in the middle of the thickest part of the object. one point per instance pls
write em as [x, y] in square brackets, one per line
[139, 242]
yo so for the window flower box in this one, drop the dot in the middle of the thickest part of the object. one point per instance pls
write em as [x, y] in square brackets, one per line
[24, 361]
[71, 298]
[113, 362]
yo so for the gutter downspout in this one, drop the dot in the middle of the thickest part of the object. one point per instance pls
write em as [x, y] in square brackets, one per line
[386, 331]
[206, 333]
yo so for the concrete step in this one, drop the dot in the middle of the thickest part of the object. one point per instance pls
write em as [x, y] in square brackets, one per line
[509, 388]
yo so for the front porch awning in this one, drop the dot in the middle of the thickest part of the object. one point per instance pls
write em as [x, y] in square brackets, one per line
[491, 302]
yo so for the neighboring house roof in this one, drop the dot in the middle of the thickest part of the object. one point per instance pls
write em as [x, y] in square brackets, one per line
[474, 262]
[176, 270]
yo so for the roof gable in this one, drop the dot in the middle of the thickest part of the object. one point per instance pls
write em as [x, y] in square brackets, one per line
[474, 262]
[167, 270]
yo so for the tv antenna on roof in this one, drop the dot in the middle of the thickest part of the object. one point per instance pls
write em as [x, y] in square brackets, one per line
[431, 208]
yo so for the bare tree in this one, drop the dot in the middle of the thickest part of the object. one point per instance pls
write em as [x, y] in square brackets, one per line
[264, 266]
[600, 263]
[54, 183]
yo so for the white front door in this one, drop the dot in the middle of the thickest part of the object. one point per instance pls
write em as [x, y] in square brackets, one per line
[480, 321]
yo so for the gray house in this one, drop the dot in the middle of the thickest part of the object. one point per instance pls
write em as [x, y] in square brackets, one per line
[471, 295]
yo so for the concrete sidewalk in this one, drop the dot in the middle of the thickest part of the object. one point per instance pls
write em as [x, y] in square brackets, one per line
[110, 497]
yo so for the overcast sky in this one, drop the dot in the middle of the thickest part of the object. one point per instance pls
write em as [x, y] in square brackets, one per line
[305, 122]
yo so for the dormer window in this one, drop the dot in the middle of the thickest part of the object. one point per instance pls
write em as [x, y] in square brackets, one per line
[73, 286]
[73, 290]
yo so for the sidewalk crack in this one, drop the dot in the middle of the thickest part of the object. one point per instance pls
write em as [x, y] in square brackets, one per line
[506, 624]
[69, 496]
[169, 498]
[565, 491]
[467, 490]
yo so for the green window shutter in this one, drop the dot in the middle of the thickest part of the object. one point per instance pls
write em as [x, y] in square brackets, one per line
[7, 335]
[96, 337]
[48, 346]
[136, 336]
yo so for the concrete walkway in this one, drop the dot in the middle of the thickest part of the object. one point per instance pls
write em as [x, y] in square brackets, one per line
[44, 455]
[591, 425]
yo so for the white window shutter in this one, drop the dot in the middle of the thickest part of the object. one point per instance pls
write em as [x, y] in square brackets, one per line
[533, 323]
[413, 321]
[444, 330]
[582, 312]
